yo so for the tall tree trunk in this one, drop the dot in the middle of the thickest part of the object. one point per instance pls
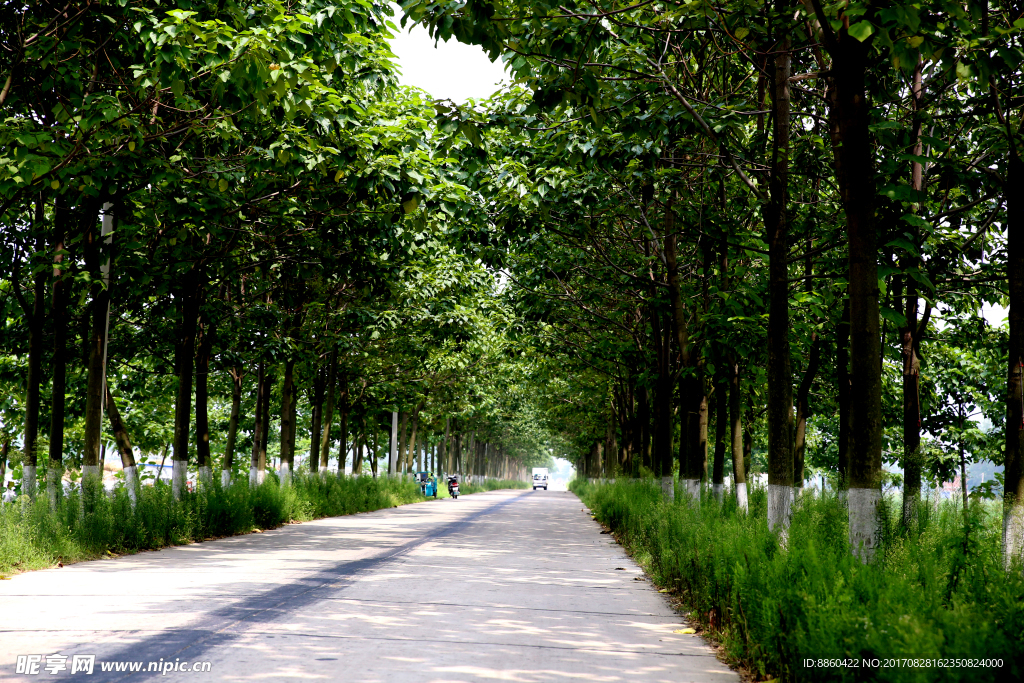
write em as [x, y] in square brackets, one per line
[258, 426]
[403, 421]
[316, 435]
[228, 461]
[963, 461]
[203, 460]
[703, 434]
[910, 337]
[420, 447]
[662, 411]
[610, 447]
[332, 390]
[343, 440]
[912, 461]
[392, 447]
[739, 469]
[268, 385]
[855, 175]
[843, 396]
[376, 454]
[690, 391]
[803, 412]
[644, 419]
[721, 430]
[35, 353]
[444, 464]
[124, 447]
[5, 449]
[413, 451]
[357, 456]
[627, 416]
[780, 376]
[1013, 481]
[55, 468]
[457, 454]
[184, 358]
[748, 446]
[96, 263]
[288, 423]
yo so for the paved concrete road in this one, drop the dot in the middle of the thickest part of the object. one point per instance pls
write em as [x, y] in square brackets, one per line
[501, 586]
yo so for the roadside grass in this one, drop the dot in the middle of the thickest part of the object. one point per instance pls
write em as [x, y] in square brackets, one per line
[92, 525]
[488, 485]
[935, 592]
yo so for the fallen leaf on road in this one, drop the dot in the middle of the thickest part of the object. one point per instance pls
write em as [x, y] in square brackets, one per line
[665, 590]
[684, 630]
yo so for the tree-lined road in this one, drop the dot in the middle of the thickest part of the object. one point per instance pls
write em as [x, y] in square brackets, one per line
[507, 585]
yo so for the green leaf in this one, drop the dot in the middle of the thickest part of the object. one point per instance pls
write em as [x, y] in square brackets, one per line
[917, 221]
[861, 31]
[904, 244]
[895, 317]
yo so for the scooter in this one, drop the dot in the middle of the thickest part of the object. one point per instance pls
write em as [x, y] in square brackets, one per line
[453, 487]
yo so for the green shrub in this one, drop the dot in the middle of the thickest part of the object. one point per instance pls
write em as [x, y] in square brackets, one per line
[939, 591]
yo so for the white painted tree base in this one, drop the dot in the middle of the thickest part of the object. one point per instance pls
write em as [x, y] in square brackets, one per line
[28, 481]
[131, 482]
[719, 491]
[225, 478]
[692, 489]
[324, 470]
[863, 514]
[1013, 534]
[741, 497]
[668, 488]
[253, 477]
[90, 471]
[285, 473]
[179, 474]
[205, 475]
[780, 507]
[54, 485]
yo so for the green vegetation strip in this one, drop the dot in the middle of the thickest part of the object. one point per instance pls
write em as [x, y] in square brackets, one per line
[84, 528]
[937, 592]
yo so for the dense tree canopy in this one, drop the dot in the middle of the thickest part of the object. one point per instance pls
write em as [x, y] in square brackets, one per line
[693, 240]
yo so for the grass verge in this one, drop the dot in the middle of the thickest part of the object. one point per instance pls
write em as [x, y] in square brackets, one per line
[489, 485]
[935, 594]
[89, 526]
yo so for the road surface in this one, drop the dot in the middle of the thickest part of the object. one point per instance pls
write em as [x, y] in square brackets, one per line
[501, 586]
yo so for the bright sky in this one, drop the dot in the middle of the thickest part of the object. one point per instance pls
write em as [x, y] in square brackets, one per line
[450, 71]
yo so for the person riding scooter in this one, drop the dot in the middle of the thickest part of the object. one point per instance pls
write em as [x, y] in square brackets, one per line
[453, 486]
